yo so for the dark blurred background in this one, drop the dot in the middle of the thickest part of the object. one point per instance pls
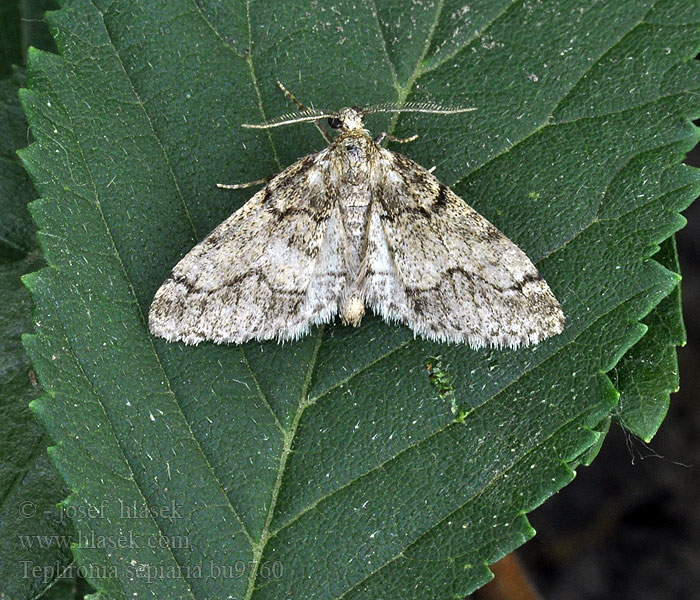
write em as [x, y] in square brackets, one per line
[628, 526]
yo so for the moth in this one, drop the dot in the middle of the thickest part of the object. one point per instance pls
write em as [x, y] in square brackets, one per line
[354, 226]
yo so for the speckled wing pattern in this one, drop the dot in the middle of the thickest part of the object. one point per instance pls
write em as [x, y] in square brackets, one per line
[356, 225]
[437, 265]
[270, 271]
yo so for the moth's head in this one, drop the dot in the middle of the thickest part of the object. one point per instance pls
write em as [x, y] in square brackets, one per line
[347, 119]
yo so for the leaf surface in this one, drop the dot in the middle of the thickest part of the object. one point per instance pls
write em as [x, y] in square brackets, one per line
[35, 533]
[648, 372]
[331, 467]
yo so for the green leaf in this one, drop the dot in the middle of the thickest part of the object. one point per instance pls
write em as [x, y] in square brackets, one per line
[648, 372]
[334, 467]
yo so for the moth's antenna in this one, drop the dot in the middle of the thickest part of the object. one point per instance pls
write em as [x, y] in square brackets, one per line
[418, 107]
[307, 114]
[296, 117]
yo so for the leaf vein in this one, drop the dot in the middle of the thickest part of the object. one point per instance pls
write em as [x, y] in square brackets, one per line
[373, 9]
[286, 450]
[117, 256]
[215, 31]
[497, 477]
[546, 122]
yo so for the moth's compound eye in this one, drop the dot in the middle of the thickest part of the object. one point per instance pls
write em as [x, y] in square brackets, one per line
[334, 122]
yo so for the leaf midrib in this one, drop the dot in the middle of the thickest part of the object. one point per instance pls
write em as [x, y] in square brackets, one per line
[288, 439]
[284, 456]
[417, 73]
[303, 400]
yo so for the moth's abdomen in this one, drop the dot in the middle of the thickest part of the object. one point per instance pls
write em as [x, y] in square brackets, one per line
[352, 162]
[355, 211]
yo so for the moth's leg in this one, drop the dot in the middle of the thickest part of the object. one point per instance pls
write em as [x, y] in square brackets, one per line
[304, 108]
[387, 136]
[240, 186]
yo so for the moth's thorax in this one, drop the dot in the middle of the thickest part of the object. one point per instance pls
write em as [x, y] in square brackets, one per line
[354, 154]
[357, 144]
